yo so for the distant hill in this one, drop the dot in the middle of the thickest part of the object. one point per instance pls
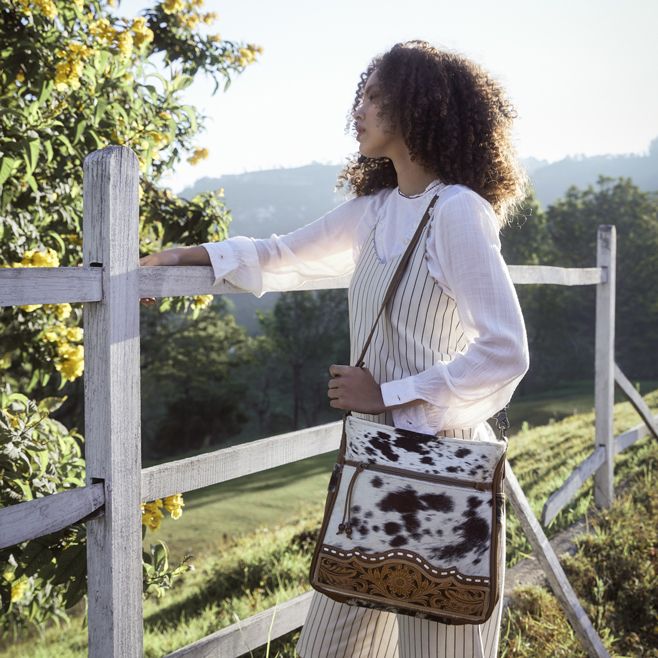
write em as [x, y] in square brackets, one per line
[281, 200]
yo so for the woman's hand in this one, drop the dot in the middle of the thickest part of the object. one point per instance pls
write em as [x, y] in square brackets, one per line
[167, 257]
[354, 389]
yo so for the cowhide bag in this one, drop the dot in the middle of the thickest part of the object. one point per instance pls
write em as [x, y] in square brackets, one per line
[413, 522]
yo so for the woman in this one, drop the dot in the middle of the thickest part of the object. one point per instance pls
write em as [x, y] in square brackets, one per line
[452, 346]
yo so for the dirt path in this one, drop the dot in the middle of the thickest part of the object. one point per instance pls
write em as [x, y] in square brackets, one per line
[529, 572]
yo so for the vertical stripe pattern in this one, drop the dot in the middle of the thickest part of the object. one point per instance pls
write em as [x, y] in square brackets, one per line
[420, 327]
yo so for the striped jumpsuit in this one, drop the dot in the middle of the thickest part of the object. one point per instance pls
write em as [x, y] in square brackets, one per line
[420, 326]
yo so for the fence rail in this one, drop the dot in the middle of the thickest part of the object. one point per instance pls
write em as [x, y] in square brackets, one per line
[110, 283]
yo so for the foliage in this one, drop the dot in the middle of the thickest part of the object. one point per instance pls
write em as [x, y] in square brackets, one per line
[194, 398]
[304, 334]
[41, 578]
[614, 575]
[560, 321]
[38, 456]
[75, 78]
[616, 566]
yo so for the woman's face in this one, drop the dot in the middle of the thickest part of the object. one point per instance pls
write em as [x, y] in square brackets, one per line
[374, 134]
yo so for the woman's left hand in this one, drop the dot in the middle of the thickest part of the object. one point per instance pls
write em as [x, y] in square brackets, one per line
[354, 389]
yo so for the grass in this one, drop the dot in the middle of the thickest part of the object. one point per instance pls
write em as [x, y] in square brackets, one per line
[241, 570]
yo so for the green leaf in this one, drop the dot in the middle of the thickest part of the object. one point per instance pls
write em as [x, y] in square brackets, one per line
[31, 154]
[51, 404]
[46, 91]
[190, 111]
[65, 140]
[101, 60]
[6, 168]
[31, 181]
[49, 151]
[101, 106]
[79, 129]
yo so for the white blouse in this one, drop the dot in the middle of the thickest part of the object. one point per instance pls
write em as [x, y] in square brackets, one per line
[463, 256]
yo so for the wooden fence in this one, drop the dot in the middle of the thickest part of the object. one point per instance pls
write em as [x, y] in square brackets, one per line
[110, 283]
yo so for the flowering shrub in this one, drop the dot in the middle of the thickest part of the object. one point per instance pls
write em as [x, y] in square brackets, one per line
[38, 456]
[76, 77]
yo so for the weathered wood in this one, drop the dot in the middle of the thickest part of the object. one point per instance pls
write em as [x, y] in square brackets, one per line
[562, 497]
[198, 280]
[604, 360]
[166, 281]
[41, 516]
[251, 633]
[636, 400]
[230, 463]
[561, 276]
[112, 404]
[20, 286]
[555, 575]
[631, 436]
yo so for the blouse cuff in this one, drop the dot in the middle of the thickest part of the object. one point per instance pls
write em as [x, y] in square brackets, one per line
[399, 391]
[236, 261]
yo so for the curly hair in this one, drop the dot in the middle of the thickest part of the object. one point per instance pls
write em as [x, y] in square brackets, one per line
[454, 118]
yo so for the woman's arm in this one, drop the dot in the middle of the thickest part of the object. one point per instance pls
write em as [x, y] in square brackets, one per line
[322, 249]
[478, 382]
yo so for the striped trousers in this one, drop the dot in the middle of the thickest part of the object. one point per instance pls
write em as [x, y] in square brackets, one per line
[338, 630]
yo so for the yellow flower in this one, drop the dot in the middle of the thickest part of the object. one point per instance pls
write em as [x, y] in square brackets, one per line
[201, 301]
[209, 18]
[69, 69]
[103, 31]
[46, 7]
[18, 589]
[63, 311]
[20, 77]
[143, 34]
[28, 308]
[197, 3]
[172, 6]
[125, 43]
[215, 38]
[174, 504]
[40, 258]
[71, 360]
[190, 21]
[25, 7]
[47, 258]
[199, 154]
[74, 334]
[15, 423]
[152, 514]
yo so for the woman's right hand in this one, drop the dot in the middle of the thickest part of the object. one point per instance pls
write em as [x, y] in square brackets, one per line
[166, 257]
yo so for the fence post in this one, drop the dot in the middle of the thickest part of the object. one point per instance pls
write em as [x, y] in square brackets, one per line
[604, 363]
[112, 403]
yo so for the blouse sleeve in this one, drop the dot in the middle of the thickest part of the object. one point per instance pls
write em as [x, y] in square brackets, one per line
[480, 381]
[322, 249]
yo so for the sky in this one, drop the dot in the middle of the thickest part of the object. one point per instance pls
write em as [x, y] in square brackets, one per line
[582, 74]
